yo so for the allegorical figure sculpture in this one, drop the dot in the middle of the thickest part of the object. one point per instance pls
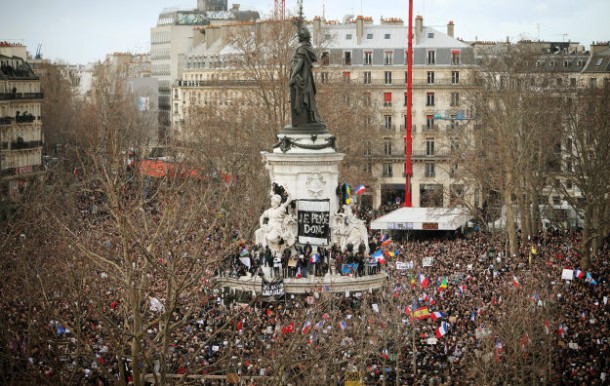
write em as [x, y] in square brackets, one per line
[348, 229]
[302, 85]
[277, 226]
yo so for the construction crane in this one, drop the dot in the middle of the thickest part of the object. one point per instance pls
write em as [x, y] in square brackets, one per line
[280, 10]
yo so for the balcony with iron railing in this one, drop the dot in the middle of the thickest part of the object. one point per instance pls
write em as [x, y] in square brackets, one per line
[21, 145]
[21, 170]
[420, 83]
[18, 119]
[403, 127]
[429, 128]
[6, 96]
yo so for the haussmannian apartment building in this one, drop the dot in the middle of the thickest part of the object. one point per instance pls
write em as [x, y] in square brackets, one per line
[374, 56]
[21, 136]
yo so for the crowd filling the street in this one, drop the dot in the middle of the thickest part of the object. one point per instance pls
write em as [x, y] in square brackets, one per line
[451, 308]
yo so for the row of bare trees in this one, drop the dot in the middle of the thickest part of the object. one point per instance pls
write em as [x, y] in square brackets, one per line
[535, 136]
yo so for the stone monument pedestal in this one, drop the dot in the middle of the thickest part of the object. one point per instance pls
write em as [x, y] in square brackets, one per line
[306, 163]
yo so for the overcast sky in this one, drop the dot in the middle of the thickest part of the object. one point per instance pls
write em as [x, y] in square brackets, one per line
[82, 31]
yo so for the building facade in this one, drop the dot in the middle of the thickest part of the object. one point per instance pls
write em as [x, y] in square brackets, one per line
[373, 57]
[176, 32]
[21, 136]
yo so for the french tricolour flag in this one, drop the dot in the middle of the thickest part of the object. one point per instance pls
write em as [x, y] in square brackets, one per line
[359, 189]
[437, 315]
[423, 281]
[306, 327]
[441, 330]
[579, 274]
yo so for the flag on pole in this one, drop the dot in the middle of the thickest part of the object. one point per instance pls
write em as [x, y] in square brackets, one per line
[499, 349]
[423, 281]
[589, 279]
[443, 285]
[287, 329]
[579, 274]
[306, 327]
[441, 330]
[421, 313]
[525, 340]
[385, 240]
[359, 189]
[437, 315]
[515, 281]
[462, 289]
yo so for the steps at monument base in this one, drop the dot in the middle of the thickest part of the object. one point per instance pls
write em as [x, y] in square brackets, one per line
[327, 283]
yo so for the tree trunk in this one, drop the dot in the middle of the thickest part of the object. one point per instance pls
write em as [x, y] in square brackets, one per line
[585, 258]
[510, 215]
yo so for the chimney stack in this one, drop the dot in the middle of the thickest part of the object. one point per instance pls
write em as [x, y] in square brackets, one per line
[317, 27]
[597, 47]
[450, 28]
[359, 29]
[419, 28]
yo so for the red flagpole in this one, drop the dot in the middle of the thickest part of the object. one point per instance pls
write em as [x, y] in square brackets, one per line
[409, 132]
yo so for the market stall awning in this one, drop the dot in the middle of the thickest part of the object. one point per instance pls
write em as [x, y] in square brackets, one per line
[442, 219]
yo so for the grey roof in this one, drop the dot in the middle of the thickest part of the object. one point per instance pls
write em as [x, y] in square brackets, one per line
[387, 36]
[599, 62]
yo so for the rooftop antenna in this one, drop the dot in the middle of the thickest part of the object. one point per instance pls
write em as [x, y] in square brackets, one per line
[300, 19]
[324, 10]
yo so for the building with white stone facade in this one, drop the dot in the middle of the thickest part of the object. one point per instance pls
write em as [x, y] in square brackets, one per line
[176, 32]
[21, 136]
[373, 56]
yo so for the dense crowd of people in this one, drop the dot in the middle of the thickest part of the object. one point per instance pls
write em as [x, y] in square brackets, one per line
[444, 308]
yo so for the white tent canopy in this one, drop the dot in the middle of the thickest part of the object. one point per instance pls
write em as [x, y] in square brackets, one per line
[442, 219]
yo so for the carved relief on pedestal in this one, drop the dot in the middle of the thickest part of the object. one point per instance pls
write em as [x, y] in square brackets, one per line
[315, 185]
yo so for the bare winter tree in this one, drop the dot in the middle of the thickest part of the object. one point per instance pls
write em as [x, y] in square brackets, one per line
[585, 161]
[515, 113]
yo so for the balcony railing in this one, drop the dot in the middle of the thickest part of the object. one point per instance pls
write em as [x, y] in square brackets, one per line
[421, 83]
[22, 170]
[403, 127]
[18, 119]
[23, 145]
[5, 96]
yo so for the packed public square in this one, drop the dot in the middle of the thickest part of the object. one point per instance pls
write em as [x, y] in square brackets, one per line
[449, 311]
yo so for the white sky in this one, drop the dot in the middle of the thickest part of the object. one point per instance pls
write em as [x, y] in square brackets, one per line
[81, 31]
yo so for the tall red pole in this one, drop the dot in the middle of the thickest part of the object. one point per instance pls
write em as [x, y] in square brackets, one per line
[409, 131]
